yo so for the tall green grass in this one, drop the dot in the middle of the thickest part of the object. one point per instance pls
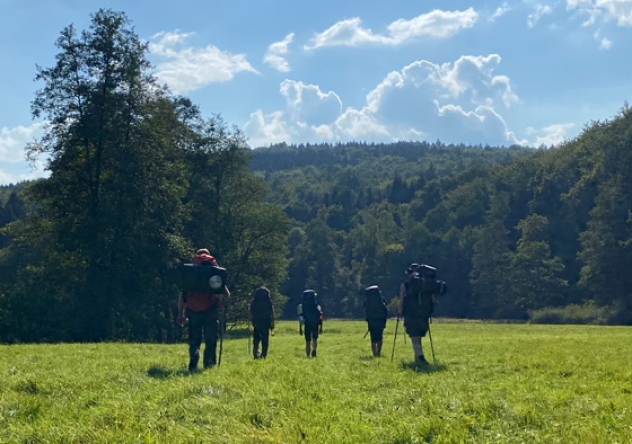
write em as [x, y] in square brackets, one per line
[494, 383]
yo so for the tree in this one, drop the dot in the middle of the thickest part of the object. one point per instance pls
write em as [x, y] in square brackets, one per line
[491, 260]
[228, 214]
[535, 274]
[113, 200]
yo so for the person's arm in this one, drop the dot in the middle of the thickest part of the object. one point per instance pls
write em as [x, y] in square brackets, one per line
[400, 305]
[182, 309]
[299, 311]
[272, 315]
[320, 320]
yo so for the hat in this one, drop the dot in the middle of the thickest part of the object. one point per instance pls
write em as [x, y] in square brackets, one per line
[203, 255]
[412, 267]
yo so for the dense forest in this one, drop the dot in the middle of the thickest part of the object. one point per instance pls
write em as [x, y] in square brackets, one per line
[139, 179]
[518, 233]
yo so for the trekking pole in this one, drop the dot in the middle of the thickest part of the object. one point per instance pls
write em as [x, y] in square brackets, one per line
[222, 322]
[431, 346]
[249, 336]
[395, 339]
[367, 332]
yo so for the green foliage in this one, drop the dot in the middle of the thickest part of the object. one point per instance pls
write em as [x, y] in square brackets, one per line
[587, 313]
[572, 385]
[138, 182]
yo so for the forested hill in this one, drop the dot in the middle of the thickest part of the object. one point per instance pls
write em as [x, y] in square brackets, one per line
[284, 157]
[516, 232]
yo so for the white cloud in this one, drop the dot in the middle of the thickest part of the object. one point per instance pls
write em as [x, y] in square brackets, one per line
[14, 173]
[14, 140]
[455, 102]
[13, 163]
[500, 11]
[619, 10]
[537, 14]
[605, 44]
[189, 68]
[265, 130]
[275, 56]
[436, 23]
[307, 103]
[553, 134]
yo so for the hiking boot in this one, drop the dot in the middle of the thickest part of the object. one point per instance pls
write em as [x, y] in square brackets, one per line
[313, 353]
[421, 360]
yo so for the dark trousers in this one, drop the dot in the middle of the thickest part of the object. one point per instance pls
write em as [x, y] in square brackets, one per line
[205, 325]
[261, 335]
[416, 326]
[311, 331]
[376, 329]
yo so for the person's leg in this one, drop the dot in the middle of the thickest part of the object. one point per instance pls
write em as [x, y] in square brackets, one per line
[211, 334]
[255, 341]
[414, 329]
[374, 332]
[265, 340]
[307, 330]
[195, 339]
[417, 348]
[314, 340]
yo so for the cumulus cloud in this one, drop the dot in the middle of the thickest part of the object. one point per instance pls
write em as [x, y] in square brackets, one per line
[456, 102]
[275, 56]
[307, 103]
[537, 14]
[500, 11]
[14, 140]
[618, 10]
[553, 134]
[13, 164]
[436, 23]
[605, 44]
[187, 68]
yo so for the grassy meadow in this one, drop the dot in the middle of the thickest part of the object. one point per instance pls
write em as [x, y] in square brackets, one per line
[493, 383]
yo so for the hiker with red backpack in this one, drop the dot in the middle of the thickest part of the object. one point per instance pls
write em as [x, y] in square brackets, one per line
[416, 304]
[311, 320]
[200, 303]
[376, 313]
[262, 317]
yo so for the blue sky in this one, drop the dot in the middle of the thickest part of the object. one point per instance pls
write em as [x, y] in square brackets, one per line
[498, 73]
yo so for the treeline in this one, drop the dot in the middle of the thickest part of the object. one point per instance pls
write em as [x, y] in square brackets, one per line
[138, 181]
[517, 233]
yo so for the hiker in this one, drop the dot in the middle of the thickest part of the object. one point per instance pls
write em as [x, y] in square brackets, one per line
[312, 316]
[262, 316]
[202, 311]
[376, 313]
[416, 307]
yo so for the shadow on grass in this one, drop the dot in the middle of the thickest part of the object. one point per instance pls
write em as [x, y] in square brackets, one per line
[160, 372]
[422, 368]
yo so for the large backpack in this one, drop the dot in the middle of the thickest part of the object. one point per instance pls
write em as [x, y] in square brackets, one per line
[261, 305]
[374, 303]
[203, 275]
[422, 284]
[312, 312]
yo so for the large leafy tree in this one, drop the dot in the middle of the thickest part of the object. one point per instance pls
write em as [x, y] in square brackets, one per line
[112, 206]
